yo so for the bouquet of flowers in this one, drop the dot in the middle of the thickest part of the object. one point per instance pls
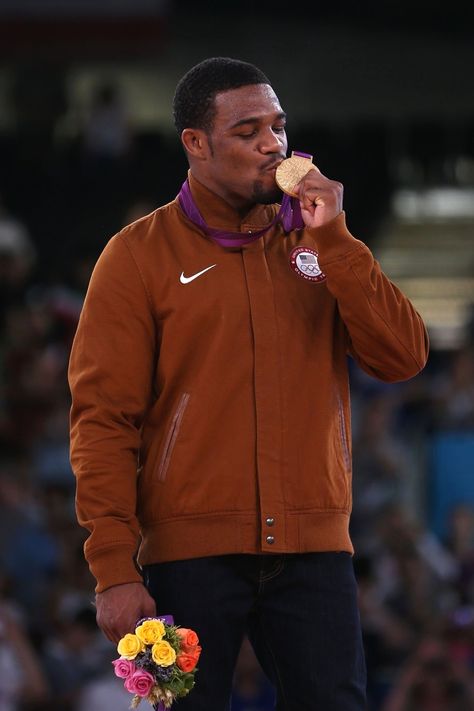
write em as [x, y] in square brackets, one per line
[158, 662]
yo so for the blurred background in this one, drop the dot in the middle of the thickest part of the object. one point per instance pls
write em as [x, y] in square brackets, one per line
[380, 94]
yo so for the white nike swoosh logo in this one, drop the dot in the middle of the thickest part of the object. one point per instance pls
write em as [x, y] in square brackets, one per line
[186, 280]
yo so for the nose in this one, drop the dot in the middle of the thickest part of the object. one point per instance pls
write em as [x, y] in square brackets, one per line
[273, 142]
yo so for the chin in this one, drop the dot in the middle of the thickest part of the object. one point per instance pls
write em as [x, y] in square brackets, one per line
[266, 196]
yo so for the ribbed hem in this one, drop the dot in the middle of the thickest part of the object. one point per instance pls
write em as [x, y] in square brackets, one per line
[113, 566]
[221, 534]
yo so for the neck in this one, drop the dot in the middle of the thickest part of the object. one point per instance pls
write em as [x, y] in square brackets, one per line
[241, 207]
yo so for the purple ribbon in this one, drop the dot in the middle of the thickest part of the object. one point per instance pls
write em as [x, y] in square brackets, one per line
[167, 619]
[289, 215]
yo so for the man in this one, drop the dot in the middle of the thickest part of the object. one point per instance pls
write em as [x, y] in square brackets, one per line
[210, 417]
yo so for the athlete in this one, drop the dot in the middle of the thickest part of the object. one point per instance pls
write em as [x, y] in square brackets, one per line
[210, 424]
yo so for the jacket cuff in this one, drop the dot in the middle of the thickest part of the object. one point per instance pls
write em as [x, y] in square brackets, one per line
[334, 241]
[114, 566]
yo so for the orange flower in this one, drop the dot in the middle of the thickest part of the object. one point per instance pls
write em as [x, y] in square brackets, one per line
[189, 639]
[187, 661]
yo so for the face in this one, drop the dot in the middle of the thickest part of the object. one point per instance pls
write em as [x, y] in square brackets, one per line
[246, 144]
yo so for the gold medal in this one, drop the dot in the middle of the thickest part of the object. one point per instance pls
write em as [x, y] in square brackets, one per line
[292, 170]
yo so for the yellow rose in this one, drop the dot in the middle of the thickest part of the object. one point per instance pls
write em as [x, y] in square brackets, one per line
[150, 631]
[129, 646]
[163, 654]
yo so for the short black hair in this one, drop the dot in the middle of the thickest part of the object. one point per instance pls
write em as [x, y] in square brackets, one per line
[193, 103]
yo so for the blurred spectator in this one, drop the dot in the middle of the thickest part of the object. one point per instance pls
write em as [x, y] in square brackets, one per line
[74, 587]
[105, 174]
[33, 372]
[459, 637]
[106, 693]
[107, 131]
[381, 466]
[22, 682]
[414, 570]
[73, 655]
[28, 553]
[460, 542]
[50, 455]
[470, 327]
[17, 259]
[388, 637]
[453, 393]
[432, 681]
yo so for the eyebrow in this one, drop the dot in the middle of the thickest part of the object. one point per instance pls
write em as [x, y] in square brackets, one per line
[257, 119]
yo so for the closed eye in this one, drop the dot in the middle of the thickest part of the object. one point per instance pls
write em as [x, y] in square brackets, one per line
[251, 134]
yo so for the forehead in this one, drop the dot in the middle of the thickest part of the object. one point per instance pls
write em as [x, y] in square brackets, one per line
[257, 101]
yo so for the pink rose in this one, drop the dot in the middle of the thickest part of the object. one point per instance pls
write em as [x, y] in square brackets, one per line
[139, 683]
[123, 668]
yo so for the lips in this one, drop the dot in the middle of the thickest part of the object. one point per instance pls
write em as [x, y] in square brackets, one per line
[274, 165]
[272, 170]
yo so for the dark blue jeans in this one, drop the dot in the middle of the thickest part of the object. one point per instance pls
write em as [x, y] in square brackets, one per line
[299, 612]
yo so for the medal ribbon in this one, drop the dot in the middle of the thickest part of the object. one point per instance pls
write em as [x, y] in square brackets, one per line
[289, 215]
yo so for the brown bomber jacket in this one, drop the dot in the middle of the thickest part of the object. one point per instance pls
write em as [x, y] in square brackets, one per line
[210, 390]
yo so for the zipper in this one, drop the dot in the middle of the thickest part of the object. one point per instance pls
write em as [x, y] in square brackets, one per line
[172, 436]
[343, 433]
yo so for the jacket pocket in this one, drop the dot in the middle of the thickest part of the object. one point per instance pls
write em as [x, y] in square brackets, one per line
[343, 434]
[172, 436]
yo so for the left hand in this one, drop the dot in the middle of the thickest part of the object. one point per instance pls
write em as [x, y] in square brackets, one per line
[320, 198]
[120, 606]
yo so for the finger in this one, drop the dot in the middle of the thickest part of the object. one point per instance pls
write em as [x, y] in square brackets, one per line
[324, 196]
[311, 198]
[114, 629]
[311, 172]
[318, 182]
[108, 630]
[309, 187]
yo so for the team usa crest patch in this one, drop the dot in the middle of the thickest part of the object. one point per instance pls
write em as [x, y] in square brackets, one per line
[304, 261]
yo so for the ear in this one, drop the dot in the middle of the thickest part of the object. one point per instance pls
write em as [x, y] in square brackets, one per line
[196, 143]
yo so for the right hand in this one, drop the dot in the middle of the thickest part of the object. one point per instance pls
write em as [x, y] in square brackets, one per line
[320, 198]
[120, 607]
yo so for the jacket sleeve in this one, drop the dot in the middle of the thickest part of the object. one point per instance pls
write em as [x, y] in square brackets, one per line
[110, 377]
[386, 336]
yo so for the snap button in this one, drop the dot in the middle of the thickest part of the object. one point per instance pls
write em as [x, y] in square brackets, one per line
[270, 539]
[270, 521]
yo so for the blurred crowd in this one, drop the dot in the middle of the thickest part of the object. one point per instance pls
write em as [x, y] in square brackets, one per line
[416, 580]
